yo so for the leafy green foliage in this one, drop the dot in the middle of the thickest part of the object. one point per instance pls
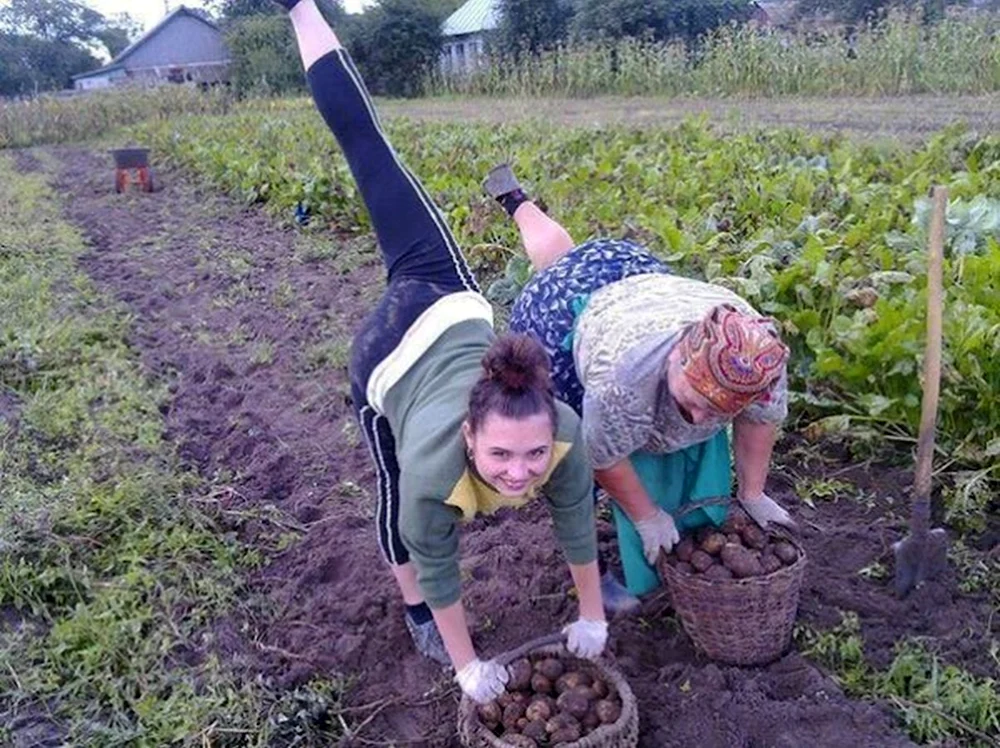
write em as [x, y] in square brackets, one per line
[937, 702]
[264, 55]
[805, 227]
[43, 43]
[532, 25]
[396, 45]
[656, 19]
[52, 120]
[898, 56]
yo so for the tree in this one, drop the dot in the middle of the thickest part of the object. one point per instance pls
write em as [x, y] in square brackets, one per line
[264, 55]
[121, 30]
[396, 44]
[872, 11]
[29, 65]
[533, 25]
[230, 10]
[656, 19]
[46, 42]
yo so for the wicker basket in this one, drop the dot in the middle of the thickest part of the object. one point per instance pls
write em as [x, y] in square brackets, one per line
[738, 621]
[622, 734]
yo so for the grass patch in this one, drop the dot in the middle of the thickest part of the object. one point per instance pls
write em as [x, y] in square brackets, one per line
[936, 702]
[109, 573]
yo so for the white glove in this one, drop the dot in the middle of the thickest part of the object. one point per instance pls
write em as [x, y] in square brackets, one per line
[659, 531]
[586, 638]
[764, 510]
[482, 681]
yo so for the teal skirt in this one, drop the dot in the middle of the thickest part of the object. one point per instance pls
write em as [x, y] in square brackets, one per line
[672, 481]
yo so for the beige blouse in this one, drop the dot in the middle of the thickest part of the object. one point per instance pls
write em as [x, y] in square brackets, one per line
[620, 346]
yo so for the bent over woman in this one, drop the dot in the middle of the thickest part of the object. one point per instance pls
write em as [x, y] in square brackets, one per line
[659, 366]
[458, 421]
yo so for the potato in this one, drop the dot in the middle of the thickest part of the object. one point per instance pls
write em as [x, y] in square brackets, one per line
[551, 668]
[753, 537]
[590, 720]
[608, 711]
[520, 675]
[539, 710]
[700, 560]
[512, 714]
[566, 735]
[741, 561]
[519, 741]
[786, 552]
[536, 730]
[713, 542]
[511, 697]
[770, 563]
[573, 702]
[735, 522]
[572, 679]
[735, 538]
[561, 721]
[540, 684]
[718, 573]
[600, 688]
[684, 549]
[490, 714]
[685, 568]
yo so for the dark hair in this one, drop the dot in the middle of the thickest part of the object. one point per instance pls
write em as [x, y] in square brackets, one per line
[516, 382]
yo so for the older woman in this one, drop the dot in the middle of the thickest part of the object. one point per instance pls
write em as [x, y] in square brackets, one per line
[659, 366]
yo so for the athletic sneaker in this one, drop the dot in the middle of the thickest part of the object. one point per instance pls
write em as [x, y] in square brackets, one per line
[617, 599]
[500, 181]
[427, 640]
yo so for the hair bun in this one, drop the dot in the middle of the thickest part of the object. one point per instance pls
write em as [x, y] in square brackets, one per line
[517, 363]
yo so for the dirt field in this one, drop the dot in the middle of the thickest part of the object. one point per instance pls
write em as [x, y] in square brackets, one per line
[250, 323]
[907, 118]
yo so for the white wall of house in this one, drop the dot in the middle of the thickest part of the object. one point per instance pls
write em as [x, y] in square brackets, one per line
[462, 54]
[92, 84]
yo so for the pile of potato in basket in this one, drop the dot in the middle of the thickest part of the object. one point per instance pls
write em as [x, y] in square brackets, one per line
[547, 704]
[737, 550]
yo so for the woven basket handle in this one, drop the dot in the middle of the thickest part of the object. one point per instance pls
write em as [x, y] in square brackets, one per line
[701, 504]
[528, 647]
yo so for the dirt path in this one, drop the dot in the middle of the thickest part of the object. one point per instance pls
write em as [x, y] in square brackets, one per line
[251, 330]
[908, 118]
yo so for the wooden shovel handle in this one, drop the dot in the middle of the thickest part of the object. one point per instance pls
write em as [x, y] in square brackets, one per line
[932, 364]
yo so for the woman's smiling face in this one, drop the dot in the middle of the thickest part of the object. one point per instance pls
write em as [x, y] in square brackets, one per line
[511, 454]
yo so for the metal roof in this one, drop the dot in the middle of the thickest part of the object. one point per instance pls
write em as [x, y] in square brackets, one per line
[473, 17]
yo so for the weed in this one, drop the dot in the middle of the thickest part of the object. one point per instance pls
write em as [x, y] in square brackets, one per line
[936, 702]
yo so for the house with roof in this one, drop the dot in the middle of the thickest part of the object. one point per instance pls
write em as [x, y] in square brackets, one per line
[465, 33]
[185, 47]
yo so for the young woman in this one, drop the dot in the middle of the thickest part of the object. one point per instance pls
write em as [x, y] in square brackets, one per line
[458, 421]
[659, 366]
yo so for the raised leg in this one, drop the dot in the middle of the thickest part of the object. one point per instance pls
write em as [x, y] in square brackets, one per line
[415, 240]
[545, 240]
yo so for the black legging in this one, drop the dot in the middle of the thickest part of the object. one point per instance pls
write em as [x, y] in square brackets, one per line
[422, 257]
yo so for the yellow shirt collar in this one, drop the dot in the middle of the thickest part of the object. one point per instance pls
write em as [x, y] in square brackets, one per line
[474, 496]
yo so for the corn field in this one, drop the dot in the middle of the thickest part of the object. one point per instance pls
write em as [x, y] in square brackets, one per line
[50, 119]
[901, 56]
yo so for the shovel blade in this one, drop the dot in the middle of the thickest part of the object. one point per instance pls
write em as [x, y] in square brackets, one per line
[920, 558]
